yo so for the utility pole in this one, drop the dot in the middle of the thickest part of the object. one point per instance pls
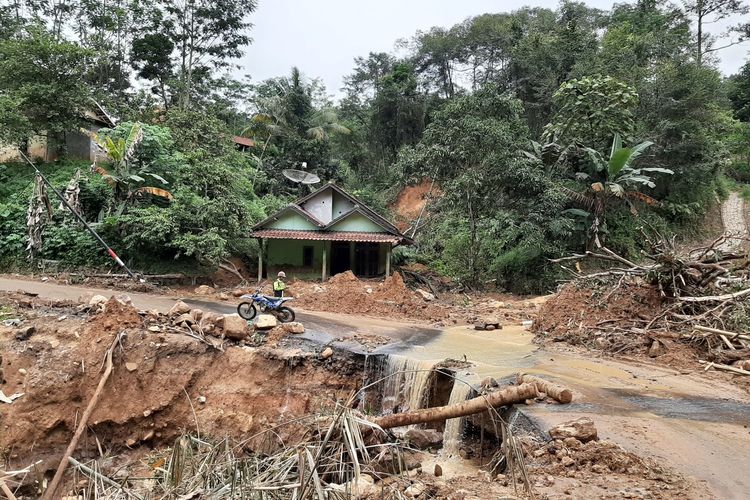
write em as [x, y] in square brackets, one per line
[78, 216]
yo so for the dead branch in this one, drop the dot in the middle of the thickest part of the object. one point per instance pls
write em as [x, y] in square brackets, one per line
[727, 368]
[49, 494]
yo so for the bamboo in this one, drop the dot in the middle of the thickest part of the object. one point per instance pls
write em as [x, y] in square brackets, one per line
[504, 397]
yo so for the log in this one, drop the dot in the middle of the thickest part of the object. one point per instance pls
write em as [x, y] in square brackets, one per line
[49, 494]
[725, 356]
[504, 397]
[556, 392]
[726, 368]
[728, 334]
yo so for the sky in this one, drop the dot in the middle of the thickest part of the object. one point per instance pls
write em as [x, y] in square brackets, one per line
[322, 37]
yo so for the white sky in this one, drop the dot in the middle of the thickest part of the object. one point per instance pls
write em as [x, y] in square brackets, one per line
[322, 37]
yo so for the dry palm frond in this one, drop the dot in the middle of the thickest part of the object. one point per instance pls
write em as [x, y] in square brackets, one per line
[36, 219]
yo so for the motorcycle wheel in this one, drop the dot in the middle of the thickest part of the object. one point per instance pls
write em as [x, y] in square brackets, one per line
[285, 315]
[247, 310]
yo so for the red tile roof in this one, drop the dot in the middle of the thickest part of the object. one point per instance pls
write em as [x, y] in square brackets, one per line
[289, 234]
[244, 141]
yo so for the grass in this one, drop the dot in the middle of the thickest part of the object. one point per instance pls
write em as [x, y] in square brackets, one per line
[5, 312]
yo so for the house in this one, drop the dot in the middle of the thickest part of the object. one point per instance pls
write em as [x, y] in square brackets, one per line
[328, 230]
[243, 143]
[76, 144]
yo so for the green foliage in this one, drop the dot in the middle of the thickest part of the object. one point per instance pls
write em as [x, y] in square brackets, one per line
[592, 110]
[41, 86]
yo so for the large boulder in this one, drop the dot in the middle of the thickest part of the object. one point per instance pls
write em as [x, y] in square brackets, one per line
[265, 322]
[427, 296]
[97, 300]
[423, 439]
[179, 308]
[235, 327]
[204, 290]
[294, 327]
[582, 429]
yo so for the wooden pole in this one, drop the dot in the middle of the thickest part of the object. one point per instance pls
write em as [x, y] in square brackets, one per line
[49, 494]
[261, 244]
[504, 397]
[387, 259]
[324, 274]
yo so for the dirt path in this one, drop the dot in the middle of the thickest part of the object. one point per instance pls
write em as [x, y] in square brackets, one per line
[733, 218]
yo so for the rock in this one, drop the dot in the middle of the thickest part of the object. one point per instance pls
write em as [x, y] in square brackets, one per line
[479, 325]
[235, 327]
[489, 328]
[201, 399]
[657, 349]
[184, 319]
[22, 371]
[154, 329]
[601, 343]
[265, 322]
[204, 290]
[423, 439]
[743, 364]
[97, 300]
[124, 299]
[327, 353]
[368, 290]
[427, 296]
[572, 442]
[567, 461]
[294, 327]
[414, 490]
[582, 429]
[62, 318]
[224, 296]
[488, 383]
[540, 452]
[25, 332]
[197, 314]
[148, 436]
[179, 308]
[320, 289]
[238, 292]
[438, 470]
[131, 367]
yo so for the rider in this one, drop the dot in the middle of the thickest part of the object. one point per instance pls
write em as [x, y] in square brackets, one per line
[279, 286]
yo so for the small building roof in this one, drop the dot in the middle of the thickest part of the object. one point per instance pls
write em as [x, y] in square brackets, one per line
[244, 141]
[386, 233]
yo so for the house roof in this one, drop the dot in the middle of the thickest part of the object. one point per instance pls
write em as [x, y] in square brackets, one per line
[243, 141]
[358, 236]
[389, 233]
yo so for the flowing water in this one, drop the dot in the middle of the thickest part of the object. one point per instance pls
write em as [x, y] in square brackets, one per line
[454, 426]
[405, 383]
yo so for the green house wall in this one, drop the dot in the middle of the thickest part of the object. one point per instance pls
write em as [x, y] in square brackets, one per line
[292, 220]
[357, 222]
[286, 255]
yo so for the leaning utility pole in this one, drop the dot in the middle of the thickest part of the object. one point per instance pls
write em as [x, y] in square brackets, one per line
[80, 218]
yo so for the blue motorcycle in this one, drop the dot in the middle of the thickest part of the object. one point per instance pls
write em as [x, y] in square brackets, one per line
[268, 305]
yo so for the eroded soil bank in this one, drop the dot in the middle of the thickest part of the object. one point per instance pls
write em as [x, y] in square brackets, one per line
[166, 384]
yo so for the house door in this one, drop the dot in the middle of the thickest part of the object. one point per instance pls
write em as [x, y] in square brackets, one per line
[366, 259]
[340, 257]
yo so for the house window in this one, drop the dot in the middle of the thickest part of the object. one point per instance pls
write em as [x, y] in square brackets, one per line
[307, 256]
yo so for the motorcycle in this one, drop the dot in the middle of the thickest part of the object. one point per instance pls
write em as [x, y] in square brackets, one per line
[269, 305]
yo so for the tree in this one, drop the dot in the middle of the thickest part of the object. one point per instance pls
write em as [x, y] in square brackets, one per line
[592, 110]
[127, 175]
[739, 93]
[196, 36]
[500, 216]
[41, 86]
[614, 180]
[710, 11]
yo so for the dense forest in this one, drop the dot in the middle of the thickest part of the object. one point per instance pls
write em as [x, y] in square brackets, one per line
[544, 131]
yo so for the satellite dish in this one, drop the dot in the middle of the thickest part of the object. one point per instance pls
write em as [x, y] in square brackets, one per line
[300, 176]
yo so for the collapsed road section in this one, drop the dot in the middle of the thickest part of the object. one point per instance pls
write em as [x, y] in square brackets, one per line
[130, 403]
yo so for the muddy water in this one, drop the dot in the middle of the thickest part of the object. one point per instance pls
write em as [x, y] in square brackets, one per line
[696, 424]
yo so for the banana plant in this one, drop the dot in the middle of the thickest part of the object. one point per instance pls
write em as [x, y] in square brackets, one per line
[124, 175]
[615, 179]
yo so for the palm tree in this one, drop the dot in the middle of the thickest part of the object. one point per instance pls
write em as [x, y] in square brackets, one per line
[125, 176]
[615, 180]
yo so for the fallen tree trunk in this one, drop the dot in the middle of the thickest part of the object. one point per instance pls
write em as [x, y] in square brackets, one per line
[508, 396]
[729, 356]
[556, 392]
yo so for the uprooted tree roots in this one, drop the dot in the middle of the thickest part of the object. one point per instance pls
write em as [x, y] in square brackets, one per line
[701, 297]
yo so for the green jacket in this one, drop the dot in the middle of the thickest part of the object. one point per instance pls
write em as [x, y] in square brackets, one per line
[278, 285]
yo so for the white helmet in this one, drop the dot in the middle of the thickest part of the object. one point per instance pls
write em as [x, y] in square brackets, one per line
[281, 274]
